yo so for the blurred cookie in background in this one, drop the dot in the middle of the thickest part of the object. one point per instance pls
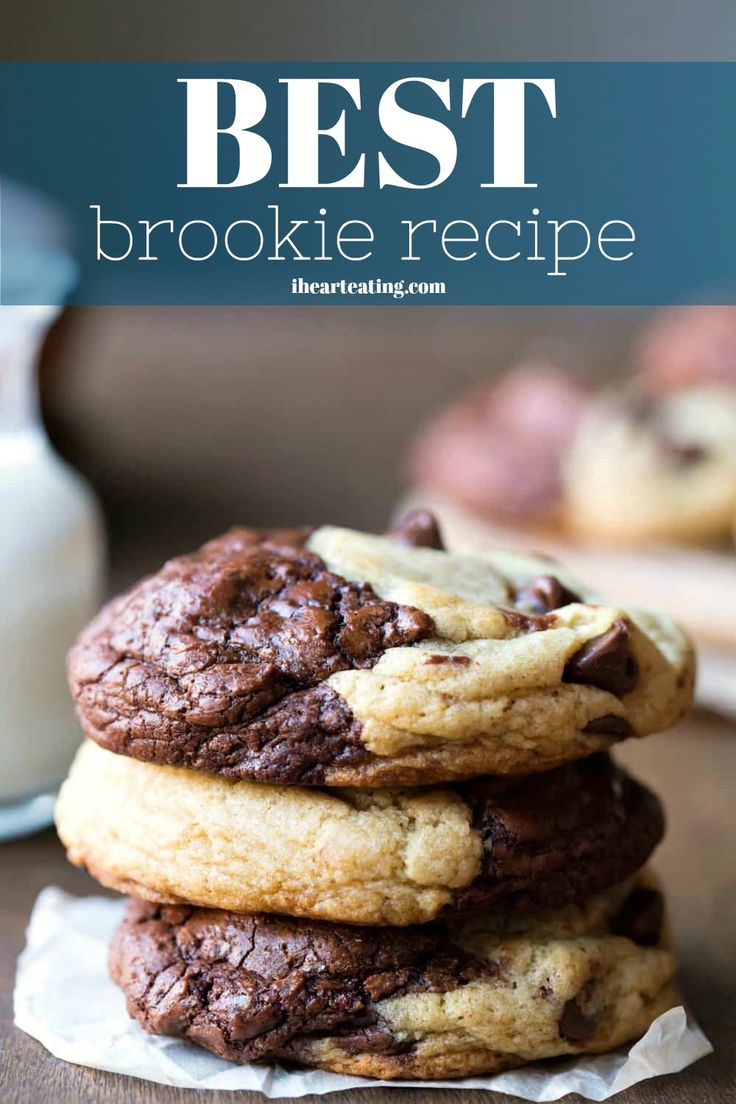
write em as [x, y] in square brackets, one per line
[500, 448]
[538, 450]
[686, 346]
[641, 471]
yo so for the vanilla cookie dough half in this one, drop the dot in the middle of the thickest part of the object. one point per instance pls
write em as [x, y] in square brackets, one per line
[358, 856]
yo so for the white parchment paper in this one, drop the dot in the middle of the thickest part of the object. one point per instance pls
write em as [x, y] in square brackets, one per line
[64, 998]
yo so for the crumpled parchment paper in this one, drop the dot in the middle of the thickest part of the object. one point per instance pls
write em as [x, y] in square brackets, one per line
[65, 999]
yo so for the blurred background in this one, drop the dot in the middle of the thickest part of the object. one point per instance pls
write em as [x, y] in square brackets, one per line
[188, 420]
[386, 30]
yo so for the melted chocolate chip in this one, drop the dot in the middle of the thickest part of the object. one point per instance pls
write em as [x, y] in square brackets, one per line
[418, 529]
[682, 452]
[380, 986]
[375, 1039]
[543, 594]
[576, 1025]
[610, 725]
[640, 918]
[454, 660]
[529, 622]
[605, 662]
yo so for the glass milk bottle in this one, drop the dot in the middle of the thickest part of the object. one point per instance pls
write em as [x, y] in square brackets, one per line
[51, 567]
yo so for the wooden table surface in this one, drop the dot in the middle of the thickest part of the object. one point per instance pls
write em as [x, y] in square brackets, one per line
[693, 768]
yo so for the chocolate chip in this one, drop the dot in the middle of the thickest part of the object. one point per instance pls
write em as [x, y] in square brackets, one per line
[529, 622]
[454, 660]
[380, 986]
[682, 452]
[418, 529]
[610, 725]
[376, 1038]
[252, 1024]
[640, 918]
[605, 662]
[576, 1025]
[543, 594]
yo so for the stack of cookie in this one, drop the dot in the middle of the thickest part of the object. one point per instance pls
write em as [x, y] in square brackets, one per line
[359, 791]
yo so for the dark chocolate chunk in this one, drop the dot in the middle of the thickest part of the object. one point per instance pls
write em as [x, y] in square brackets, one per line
[610, 725]
[529, 622]
[419, 529]
[374, 1039]
[543, 594]
[576, 1025]
[641, 917]
[454, 660]
[605, 662]
[682, 452]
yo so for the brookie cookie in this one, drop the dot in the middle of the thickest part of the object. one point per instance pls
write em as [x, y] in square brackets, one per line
[432, 1002]
[358, 856]
[339, 658]
[655, 470]
[499, 448]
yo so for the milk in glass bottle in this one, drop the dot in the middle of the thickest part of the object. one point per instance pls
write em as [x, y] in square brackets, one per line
[51, 564]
